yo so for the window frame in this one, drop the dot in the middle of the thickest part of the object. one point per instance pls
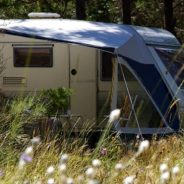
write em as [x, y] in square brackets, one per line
[171, 62]
[49, 65]
[109, 79]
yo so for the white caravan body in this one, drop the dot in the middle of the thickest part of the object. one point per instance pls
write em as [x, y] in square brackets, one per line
[105, 64]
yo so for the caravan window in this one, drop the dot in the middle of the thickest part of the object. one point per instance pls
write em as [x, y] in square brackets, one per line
[30, 56]
[107, 68]
[173, 59]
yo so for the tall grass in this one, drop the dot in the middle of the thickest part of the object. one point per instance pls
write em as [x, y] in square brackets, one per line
[24, 161]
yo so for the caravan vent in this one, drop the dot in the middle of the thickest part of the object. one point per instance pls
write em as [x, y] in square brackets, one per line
[14, 80]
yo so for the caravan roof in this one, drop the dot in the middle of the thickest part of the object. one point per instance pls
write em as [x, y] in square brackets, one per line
[108, 36]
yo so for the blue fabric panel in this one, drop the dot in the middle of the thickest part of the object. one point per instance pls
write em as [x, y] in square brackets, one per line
[154, 84]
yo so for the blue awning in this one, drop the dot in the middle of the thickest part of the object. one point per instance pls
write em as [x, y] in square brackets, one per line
[93, 34]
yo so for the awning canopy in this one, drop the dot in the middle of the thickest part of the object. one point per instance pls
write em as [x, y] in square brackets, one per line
[94, 34]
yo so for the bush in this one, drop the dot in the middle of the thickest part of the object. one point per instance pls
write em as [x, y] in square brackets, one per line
[56, 100]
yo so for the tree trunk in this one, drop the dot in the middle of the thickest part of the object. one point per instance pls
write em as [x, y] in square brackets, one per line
[126, 8]
[169, 19]
[80, 9]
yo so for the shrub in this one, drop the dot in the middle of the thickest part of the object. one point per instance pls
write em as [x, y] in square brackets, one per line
[56, 100]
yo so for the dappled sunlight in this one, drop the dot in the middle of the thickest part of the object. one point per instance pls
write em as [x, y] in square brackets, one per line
[71, 31]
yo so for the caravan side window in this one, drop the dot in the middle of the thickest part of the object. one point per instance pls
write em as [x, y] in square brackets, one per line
[33, 56]
[107, 67]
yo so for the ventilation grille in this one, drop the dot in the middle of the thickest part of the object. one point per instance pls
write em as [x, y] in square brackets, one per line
[14, 80]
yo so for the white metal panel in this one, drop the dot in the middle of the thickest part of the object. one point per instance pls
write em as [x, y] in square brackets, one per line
[37, 78]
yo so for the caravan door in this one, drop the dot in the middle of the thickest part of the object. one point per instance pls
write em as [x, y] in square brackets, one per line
[83, 81]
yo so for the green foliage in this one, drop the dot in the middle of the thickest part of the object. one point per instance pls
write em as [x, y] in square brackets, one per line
[104, 10]
[144, 13]
[15, 115]
[21, 111]
[56, 100]
[20, 9]
[148, 13]
[19, 114]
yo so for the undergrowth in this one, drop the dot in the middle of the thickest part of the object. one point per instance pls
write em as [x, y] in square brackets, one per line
[26, 157]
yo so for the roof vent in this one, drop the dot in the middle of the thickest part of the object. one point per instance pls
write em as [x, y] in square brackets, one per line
[43, 15]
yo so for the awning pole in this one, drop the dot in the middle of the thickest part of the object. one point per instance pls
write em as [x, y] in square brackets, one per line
[129, 96]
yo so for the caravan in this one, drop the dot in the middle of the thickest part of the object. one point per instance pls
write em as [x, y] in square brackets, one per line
[108, 66]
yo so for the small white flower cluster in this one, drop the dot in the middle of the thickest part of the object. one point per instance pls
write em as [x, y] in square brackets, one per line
[62, 167]
[27, 156]
[92, 171]
[118, 167]
[1, 173]
[64, 158]
[114, 115]
[35, 140]
[129, 180]
[143, 146]
[175, 171]
[50, 172]
[50, 181]
[96, 163]
[165, 173]
[63, 163]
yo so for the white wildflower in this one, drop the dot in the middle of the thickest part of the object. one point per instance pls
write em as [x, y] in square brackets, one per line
[38, 182]
[26, 182]
[114, 115]
[163, 168]
[69, 181]
[63, 179]
[64, 158]
[96, 163]
[50, 170]
[119, 167]
[50, 181]
[91, 181]
[1, 173]
[175, 170]
[62, 168]
[129, 180]
[29, 150]
[35, 140]
[21, 164]
[144, 145]
[90, 172]
[80, 179]
[165, 177]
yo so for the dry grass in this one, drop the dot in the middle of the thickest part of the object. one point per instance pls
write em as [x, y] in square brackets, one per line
[25, 162]
[144, 166]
